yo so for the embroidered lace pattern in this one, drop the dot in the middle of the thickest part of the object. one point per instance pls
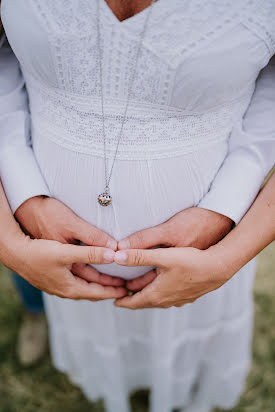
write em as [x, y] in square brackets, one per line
[261, 21]
[70, 114]
[150, 130]
[75, 54]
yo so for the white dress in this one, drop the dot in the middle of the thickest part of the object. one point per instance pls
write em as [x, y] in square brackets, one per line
[198, 132]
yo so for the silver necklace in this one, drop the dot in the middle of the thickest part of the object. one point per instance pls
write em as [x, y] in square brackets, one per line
[105, 198]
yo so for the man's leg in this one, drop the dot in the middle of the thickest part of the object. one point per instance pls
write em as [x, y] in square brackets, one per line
[31, 297]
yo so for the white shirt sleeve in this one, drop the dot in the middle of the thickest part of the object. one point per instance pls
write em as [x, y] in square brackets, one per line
[19, 171]
[251, 153]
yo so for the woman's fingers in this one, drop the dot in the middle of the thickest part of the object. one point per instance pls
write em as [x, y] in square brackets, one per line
[146, 298]
[142, 281]
[145, 239]
[81, 289]
[92, 275]
[137, 301]
[140, 257]
[91, 235]
[86, 254]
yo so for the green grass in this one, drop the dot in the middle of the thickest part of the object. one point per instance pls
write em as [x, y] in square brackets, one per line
[43, 388]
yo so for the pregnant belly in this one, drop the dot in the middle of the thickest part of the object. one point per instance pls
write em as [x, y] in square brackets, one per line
[145, 193]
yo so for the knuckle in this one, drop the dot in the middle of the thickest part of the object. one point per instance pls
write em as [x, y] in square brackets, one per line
[92, 255]
[137, 257]
[59, 254]
[91, 238]
[139, 238]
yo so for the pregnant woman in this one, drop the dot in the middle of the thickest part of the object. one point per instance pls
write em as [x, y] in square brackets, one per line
[138, 112]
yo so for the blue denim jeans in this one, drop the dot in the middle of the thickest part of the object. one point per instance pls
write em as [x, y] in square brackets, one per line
[31, 297]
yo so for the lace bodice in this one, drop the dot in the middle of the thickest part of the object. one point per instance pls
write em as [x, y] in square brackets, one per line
[180, 33]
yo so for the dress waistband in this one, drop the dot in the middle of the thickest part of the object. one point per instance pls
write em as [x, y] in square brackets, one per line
[150, 131]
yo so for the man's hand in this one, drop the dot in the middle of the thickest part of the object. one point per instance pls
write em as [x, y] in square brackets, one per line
[194, 227]
[47, 265]
[47, 218]
[182, 275]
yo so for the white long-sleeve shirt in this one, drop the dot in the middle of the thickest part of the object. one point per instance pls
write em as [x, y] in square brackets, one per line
[19, 171]
[251, 153]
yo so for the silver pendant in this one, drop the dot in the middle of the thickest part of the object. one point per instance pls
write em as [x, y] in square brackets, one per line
[104, 199]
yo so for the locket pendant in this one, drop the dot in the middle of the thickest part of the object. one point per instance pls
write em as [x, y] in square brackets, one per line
[105, 199]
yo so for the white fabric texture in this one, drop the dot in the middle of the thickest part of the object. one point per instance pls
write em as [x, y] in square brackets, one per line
[199, 132]
[19, 171]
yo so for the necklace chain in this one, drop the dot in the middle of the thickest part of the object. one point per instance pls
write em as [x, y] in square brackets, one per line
[106, 193]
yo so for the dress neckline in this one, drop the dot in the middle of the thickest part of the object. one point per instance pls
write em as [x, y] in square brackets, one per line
[133, 18]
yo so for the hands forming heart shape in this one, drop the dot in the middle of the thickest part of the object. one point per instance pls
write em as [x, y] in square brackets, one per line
[179, 277]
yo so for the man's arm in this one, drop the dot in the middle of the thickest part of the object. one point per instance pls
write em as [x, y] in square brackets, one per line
[20, 173]
[48, 265]
[251, 153]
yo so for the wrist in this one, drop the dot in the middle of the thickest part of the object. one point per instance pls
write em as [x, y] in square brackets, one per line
[12, 249]
[34, 203]
[226, 258]
[30, 215]
[223, 222]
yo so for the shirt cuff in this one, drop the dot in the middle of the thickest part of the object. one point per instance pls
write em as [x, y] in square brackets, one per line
[235, 187]
[21, 176]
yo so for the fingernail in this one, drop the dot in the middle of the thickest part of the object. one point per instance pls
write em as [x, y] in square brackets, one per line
[112, 244]
[121, 257]
[108, 256]
[124, 244]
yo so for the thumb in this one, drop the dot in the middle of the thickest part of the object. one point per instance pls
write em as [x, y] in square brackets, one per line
[144, 239]
[86, 254]
[92, 236]
[141, 257]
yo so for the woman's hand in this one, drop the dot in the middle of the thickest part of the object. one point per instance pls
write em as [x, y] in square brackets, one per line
[194, 227]
[182, 275]
[47, 265]
[47, 218]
